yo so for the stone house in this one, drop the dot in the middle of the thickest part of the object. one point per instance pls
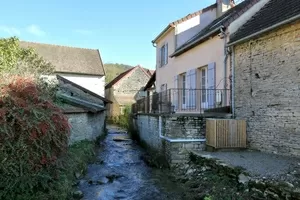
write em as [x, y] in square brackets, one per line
[85, 110]
[125, 89]
[266, 69]
[191, 64]
[79, 65]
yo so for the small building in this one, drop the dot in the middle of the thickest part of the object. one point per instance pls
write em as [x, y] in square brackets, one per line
[266, 68]
[79, 65]
[85, 110]
[126, 89]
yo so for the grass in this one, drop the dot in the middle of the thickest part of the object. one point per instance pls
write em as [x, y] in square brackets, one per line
[78, 157]
[75, 161]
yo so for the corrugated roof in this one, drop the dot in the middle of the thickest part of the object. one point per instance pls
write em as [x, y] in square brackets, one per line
[274, 12]
[69, 59]
[214, 27]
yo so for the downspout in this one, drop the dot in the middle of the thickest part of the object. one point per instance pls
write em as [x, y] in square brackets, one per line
[174, 140]
[232, 81]
[225, 65]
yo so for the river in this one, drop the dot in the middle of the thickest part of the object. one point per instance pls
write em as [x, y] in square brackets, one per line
[120, 173]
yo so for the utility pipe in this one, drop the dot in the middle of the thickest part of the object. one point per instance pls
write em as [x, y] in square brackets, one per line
[174, 140]
[232, 81]
[225, 65]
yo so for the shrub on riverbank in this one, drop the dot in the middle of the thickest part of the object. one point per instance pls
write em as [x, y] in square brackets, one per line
[35, 162]
[122, 120]
[33, 134]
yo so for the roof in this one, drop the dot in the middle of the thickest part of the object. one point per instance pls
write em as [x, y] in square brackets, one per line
[78, 105]
[82, 89]
[183, 19]
[69, 59]
[124, 74]
[151, 81]
[150, 71]
[214, 27]
[274, 13]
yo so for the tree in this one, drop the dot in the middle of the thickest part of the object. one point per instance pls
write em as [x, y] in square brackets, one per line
[22, 61]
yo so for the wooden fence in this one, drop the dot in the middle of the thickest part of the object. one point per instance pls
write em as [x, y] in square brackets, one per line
[226, 133]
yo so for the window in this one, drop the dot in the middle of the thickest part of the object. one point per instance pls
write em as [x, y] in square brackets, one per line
[164, 55]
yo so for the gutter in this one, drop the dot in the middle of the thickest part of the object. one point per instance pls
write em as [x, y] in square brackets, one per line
[265, 30]
[162, 33]
[175, 140]
[195, 42]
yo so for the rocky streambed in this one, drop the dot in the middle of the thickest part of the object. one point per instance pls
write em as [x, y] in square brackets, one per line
[120, 173]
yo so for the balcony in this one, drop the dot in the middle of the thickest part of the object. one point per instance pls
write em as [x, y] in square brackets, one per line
[185, 101]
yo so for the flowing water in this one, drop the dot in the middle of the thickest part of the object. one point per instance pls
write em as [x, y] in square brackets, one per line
[120, 173]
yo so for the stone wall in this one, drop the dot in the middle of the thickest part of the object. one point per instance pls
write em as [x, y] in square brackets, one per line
[267, 90]
[173, 127]
[86, 126]
[180, 126]
[148, 130]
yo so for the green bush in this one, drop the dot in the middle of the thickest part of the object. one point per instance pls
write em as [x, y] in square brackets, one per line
[122, 120]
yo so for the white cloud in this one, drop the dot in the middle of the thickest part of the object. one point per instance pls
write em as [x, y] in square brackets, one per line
[35, 30]
[84, 32]
[10, 30]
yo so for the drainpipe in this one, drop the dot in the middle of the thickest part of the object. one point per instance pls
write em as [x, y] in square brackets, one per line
[232, 82]
[225, 65]
[174, 140]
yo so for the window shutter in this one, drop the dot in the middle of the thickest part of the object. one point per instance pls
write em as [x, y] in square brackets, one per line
[159, 57]
[187, 88]
[175, 95]
[167, 54]
[193, 88]
[211, 84]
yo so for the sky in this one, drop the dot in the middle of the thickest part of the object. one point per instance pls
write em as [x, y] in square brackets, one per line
[121, 29]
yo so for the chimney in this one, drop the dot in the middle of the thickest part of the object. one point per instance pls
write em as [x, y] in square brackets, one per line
[223, 6]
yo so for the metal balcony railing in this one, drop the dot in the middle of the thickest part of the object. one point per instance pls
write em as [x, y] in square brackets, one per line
[183, 101]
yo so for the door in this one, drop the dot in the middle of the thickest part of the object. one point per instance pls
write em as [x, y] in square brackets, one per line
[203, 86]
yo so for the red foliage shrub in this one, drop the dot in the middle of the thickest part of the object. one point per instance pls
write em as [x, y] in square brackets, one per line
[33, 133]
